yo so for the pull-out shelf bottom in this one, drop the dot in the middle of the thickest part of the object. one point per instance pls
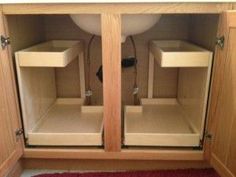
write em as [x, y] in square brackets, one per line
[161, 122]
[69, 123]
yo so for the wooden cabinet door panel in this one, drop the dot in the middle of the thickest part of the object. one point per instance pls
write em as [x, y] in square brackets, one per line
[222, 114]
[11, 147]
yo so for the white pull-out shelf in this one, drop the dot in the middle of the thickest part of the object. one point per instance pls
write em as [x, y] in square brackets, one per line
[56, 53]
[158, 122]
[69, 123]
[176, 53]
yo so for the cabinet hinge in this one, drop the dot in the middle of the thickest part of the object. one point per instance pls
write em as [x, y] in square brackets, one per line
[208, 136]
[5, 41]
[19, 132]
[220, 41]
[88, 93]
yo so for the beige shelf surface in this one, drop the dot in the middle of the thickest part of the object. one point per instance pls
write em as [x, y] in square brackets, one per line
[158, 123]
[56, 53]
[66, 124]
[176, 53]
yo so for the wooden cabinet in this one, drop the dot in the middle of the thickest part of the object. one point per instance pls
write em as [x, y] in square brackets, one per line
[222, 111]
[11, 148]
[219, 147]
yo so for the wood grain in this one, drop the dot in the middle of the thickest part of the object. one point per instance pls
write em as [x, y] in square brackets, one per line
[231, 84]
[125, 154]
[220, 167]
[224, 105]
[110, 165]
[144, 8]
[234, 6]
[231, 19]
[222, 102]
[231, 160]
[11, 148]
[17, 170]
[111, 59]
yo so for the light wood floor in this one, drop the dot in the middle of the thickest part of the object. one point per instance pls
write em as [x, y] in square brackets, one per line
[30, 172]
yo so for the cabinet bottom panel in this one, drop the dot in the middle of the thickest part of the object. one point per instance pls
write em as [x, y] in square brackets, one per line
[162, 123]
[67, 123]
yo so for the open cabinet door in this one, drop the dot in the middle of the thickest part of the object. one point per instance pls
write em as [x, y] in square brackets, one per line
[222, 112]
[11, 147]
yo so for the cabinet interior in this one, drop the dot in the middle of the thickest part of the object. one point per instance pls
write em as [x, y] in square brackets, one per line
[64, 82]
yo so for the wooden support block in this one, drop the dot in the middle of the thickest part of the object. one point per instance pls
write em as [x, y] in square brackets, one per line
[150, 75]
[82, 75]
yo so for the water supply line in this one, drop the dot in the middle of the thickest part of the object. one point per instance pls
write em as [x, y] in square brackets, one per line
[126, 63]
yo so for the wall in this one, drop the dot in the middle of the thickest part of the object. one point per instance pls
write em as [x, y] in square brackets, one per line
[25, 31]
[203, 30]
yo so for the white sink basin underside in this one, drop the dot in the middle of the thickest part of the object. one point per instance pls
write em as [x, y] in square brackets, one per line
[131, 24]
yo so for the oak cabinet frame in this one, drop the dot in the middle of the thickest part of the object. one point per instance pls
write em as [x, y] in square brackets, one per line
[111, 28]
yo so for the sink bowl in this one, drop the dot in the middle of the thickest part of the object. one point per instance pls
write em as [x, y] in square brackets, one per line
[131, 24]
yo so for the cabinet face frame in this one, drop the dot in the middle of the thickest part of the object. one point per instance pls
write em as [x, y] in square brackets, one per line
[25, 9]
[10, 115]
[220, 150]
[118, 8]
[111, 59]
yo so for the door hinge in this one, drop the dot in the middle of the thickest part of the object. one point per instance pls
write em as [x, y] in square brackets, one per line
[208, 136]
[19, 132]
[220, 41]
[5, 41]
